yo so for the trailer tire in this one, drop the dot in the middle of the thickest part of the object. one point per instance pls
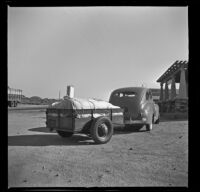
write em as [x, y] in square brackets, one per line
[101, 130]
[64, 133]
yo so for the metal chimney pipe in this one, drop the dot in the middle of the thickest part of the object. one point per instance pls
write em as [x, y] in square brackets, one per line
[70, 91]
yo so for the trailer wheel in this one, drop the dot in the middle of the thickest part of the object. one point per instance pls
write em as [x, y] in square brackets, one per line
[101, 130]
[64, 133]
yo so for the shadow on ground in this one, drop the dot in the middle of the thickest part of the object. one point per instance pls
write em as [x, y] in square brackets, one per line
[177, 116]
[117, 130]
[48, 140]
[168, 120]
[51, 138]
[41, 129]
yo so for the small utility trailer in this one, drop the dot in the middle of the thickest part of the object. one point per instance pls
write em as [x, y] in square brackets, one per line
[91, 117]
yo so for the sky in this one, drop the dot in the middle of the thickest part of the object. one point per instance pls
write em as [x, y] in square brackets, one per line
[95, 49]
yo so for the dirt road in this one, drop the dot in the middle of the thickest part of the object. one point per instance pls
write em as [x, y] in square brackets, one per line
[39, 158]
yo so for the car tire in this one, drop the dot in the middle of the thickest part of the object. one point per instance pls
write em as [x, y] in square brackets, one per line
[64, 133]
[157, 121]
[101, 130]
[149, 126]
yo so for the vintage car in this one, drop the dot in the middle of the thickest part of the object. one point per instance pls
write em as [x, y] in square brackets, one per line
[139, 107]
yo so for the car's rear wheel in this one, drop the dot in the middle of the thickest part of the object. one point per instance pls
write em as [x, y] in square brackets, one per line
[149, 126]
[64, 133]
[101, 130]
[158, 120]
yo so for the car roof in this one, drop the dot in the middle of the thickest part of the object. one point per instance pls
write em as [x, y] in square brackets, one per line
[138, 90]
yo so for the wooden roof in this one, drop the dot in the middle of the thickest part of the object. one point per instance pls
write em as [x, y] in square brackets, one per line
[175, 68]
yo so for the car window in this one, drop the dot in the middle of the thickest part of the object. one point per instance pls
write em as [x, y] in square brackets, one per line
[125, 94]
[129, 94]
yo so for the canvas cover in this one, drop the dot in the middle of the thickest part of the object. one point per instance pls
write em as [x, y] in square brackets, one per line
[78, 103]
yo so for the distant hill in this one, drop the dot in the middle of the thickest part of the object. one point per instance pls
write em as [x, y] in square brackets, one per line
[35, 100]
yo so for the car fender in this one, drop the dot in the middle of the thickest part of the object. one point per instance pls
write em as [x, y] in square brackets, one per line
[156, 112]
[149, 112]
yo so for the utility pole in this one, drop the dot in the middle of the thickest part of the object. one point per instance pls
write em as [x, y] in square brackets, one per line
[59, 95]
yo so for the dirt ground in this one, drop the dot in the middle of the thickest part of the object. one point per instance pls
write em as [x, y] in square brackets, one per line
[39, 158]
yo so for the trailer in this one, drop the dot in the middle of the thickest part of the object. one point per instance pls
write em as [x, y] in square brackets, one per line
[74, 115]
[96, 118]
[14, 97]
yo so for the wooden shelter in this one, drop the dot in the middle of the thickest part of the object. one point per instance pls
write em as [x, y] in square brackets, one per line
[176, 73]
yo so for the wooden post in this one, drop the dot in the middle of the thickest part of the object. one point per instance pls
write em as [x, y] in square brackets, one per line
[166, 91]
[161, 91]
[182, 89]
[173, 89]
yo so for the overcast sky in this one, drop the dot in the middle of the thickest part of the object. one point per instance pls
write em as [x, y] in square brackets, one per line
[96, 49]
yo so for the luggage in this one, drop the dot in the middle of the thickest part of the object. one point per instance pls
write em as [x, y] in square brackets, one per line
[78, 103]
